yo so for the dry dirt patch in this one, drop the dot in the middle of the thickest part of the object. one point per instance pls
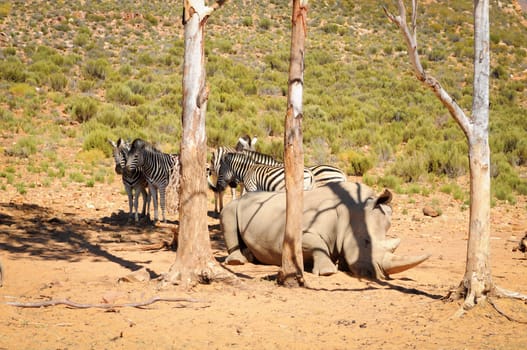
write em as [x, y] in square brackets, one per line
[54, 248]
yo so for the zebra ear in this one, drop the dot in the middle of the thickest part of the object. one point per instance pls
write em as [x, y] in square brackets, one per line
[253, 142]
[112, 143]
[243, 142]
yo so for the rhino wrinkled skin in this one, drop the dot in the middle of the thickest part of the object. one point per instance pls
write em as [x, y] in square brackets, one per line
[344, 224]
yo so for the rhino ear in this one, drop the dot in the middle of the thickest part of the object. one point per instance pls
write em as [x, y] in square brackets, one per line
[384, 198]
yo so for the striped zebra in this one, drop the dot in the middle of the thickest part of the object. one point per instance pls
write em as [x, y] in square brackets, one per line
[234, 166]
[324, 174]
[271, 178]
[158, 167]
[245, 143]
[134, 182]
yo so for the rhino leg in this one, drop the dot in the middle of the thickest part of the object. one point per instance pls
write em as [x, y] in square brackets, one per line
[315, 248]
[236, 258]
[229, 227]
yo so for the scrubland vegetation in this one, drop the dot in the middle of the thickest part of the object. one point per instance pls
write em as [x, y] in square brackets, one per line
[77, 74]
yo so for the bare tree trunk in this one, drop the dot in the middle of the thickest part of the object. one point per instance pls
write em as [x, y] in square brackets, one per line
[291, 273]
[194, 260]
[477, 281]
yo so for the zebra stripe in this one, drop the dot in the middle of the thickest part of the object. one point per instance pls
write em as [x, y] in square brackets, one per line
[157, 168]
[244, 143]
[271, 178]
[234, 166]
[134, 181]
[324, 174]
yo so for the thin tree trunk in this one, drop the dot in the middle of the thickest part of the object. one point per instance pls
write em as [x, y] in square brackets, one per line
[477, 280]
[194, 260]
[291, 273]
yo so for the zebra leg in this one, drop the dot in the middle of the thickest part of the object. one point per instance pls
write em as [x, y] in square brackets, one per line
[218, 201]
[129, 192]
[162, 193]
[153, 195]
[146, 199]
[136, 205]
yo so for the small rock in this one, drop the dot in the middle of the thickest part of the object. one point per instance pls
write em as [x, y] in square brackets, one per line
[429, 211]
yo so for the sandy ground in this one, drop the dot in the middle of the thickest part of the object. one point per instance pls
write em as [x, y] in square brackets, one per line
[75, 243]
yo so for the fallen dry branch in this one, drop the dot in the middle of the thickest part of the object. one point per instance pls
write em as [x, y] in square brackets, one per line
[504, 293]
[146, 247]
[75, 305]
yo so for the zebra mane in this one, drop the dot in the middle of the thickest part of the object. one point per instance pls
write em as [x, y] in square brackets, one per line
[144, 145]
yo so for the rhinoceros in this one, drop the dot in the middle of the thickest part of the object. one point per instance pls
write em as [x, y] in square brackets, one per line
[344, 227]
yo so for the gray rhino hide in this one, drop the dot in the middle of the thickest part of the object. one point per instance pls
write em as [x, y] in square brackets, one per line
[343, 223]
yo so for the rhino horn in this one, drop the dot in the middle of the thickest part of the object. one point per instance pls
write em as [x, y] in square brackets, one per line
[394, 263]
[391, 244]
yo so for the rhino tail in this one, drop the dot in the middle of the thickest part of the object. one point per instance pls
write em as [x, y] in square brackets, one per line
[394, 263]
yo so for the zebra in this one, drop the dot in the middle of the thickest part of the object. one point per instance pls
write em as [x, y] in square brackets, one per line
[133, 181]
[157, 168]
[245, 143]
[271, 178]
[327, 173]
[234, 166]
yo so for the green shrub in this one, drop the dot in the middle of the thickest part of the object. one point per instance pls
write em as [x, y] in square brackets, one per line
[58, 81]
[21, 188]
[81, 39]
[247, 21]
[112, 116]
[389, 181]
[265, 24]
[83, 109]
[12, 70]
[77, 176]
[151, 19]
[410, 168]
[123, 94]
[9, 51]
[86, 85]
[97, 68]
[5, 9]
[24, 147]
[98, 140]
[145, 59]
[355, 164]
[22, 89]
[91, 157]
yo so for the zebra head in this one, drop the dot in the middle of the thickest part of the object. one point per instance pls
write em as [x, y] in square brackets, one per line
[225, 172]
[119, 152]
[134, 159]
[245, 143]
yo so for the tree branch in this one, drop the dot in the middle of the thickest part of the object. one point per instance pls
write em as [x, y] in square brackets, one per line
[75, 305]
[198, 6]
[411, 44]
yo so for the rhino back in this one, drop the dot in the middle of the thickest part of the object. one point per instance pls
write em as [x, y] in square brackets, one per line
[261, 218]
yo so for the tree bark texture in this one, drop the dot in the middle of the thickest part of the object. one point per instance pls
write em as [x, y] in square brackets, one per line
[477, 281]
[291, 272]
[194, 260]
